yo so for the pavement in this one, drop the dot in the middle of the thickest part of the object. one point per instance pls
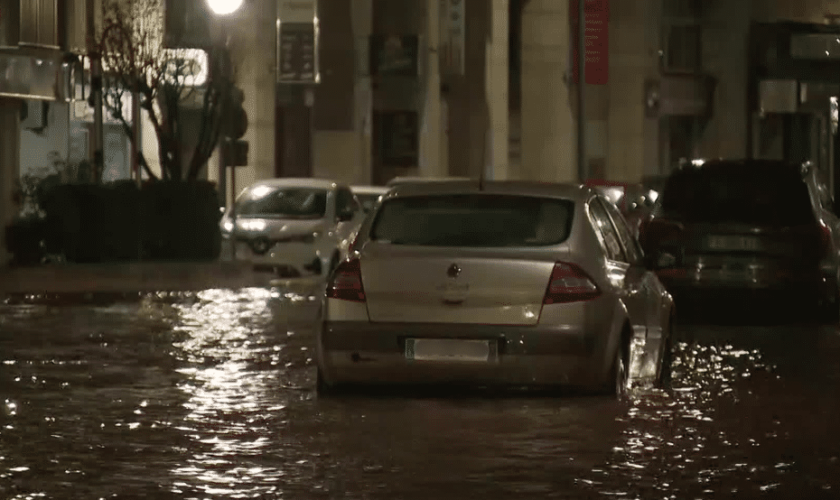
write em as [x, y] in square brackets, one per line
[129, 277]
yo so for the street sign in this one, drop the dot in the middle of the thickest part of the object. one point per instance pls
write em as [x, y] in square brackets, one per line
[297, 57]
[452, 36]
[597, 41]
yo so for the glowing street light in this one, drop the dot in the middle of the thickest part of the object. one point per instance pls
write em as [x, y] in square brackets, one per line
[224, 7]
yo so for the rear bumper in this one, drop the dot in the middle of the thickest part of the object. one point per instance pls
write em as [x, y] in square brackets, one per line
[781, 297]
[358, 352]
[795, 282]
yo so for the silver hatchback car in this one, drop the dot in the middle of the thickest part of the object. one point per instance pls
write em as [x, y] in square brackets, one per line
[501, 283]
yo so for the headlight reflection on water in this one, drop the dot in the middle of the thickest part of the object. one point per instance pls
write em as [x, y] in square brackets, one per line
[232, 372]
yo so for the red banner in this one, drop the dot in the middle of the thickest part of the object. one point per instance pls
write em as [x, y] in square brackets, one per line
[597, 40]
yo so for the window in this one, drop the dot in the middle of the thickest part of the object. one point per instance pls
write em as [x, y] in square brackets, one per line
[683, 47]
[473, 220]
[682, 35]
[345, 201]
[682, 9]
[631, 245]
[283, 202]
[606, 231]
[755, 193]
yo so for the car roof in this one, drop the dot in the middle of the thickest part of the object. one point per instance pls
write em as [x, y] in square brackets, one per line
[298, 182]
[573, 192]
[370, 189]
[418, 179]
[741, 164]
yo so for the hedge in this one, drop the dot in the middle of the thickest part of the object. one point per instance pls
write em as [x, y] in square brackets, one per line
[116, 222]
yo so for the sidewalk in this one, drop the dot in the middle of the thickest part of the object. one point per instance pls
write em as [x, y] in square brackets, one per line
[129, 277]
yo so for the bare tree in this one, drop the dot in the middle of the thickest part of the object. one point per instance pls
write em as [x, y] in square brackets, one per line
[130, 43]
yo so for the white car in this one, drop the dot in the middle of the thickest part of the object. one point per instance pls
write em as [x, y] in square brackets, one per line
[369, 195]
[292, 227]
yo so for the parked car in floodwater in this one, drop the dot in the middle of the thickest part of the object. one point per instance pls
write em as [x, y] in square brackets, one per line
[292, 227]
[739, 229]
[509, 283]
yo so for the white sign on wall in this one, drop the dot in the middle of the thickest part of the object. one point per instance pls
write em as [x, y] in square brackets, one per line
[298, 11]
[452, 37]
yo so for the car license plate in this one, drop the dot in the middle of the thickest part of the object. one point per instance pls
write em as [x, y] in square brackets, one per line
[733, 243]
[447, 350]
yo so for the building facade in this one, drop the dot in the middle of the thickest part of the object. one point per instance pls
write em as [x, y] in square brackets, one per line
[456, 87]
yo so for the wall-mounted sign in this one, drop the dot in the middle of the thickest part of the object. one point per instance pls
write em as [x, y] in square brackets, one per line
[597, 17]
[297, 53]
[452, 37]
[394, 55]
[298, 11]
[189, 66]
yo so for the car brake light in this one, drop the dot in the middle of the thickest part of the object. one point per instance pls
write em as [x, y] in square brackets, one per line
[825, 239]
[569, 283]
[346, 283]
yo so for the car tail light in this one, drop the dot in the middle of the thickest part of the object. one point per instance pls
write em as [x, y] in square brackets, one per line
[569, 283]
[825, 240]
[346, 283]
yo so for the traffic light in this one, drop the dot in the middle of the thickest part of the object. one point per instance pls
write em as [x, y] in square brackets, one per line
[236, 121]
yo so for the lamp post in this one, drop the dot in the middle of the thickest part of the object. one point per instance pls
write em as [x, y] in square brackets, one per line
[223, 8]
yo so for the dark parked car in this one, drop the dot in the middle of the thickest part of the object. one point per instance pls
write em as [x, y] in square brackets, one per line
[738, 229]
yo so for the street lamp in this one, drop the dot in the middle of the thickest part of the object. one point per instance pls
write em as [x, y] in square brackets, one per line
[224, 7]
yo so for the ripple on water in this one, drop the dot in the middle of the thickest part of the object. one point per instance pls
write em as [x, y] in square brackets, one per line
[209, 395]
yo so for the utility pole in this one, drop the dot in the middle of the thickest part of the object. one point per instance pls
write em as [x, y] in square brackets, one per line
[96, 89]
[581, 94]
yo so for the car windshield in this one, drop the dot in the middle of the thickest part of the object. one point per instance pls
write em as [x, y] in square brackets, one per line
[367, 201]
[754, 193]
[483, 220]
[283, 202]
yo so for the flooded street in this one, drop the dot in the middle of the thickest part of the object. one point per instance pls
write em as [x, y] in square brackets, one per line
[212, 395]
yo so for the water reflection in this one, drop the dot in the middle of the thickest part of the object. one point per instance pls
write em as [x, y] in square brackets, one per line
[704, 438]
[211, 395]
[232, 380]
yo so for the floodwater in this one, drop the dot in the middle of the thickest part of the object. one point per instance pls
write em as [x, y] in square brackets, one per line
[211, 395]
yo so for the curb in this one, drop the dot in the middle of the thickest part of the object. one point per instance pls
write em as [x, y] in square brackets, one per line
[134, 277]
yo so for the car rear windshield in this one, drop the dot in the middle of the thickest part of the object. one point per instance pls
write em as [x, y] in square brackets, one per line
[757, 193]
[474, 220]
[283, 202]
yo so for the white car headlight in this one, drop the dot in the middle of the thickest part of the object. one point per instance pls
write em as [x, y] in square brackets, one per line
[228, 226]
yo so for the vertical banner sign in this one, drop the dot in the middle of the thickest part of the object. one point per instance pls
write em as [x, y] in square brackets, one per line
[297, 42]
[597, 41]
[452, 37]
